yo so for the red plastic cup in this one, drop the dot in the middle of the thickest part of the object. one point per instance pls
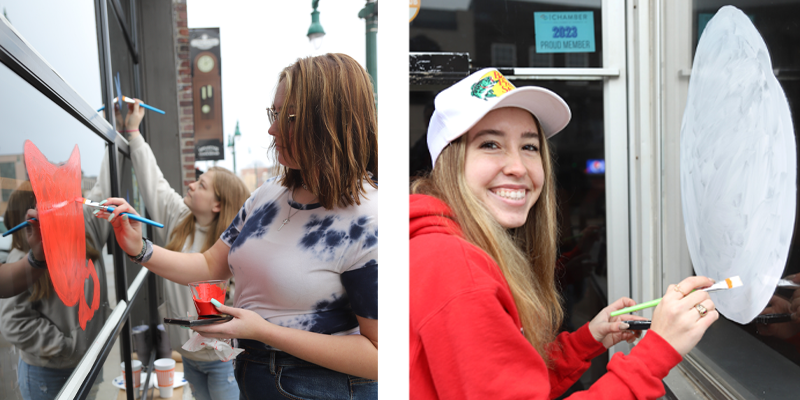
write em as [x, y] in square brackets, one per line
[204, 291]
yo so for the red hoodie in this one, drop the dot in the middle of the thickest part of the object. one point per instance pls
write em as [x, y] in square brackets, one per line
[466, 338]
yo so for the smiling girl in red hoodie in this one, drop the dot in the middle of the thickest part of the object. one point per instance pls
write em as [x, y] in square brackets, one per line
[484, 306]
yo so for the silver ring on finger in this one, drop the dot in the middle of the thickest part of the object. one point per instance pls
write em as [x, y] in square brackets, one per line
[701, 309]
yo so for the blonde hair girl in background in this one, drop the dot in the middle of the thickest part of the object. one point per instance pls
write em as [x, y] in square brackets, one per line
[192, 224]
[484, 307]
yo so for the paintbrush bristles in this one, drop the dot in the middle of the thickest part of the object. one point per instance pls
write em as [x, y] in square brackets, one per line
[734, 282]
[729, 283]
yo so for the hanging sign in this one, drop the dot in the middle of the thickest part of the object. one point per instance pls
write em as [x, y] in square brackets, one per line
[564, 32]
[204, 53]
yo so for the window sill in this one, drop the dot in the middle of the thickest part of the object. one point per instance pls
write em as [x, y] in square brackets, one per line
[729, 363]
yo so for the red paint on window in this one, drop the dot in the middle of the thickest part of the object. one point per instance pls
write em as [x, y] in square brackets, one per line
[62, 225]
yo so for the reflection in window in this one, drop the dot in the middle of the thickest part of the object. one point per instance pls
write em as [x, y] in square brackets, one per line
[540, 60]
[577, 60]
[777, 25]
[7, 170]
[38, 332]
[504, 55]
[121, 59]
[37, 24]
[478, 27]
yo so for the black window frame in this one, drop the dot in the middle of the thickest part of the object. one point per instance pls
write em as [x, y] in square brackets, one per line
[17, 55]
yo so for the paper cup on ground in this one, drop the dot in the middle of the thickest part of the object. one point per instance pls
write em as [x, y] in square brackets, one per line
[136, 369]
[165, 371]
[204, 291]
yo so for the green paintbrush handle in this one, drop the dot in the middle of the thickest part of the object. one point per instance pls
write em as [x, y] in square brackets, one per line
[642, 306]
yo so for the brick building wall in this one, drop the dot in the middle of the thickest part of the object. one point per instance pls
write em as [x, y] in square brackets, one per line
[185, 104]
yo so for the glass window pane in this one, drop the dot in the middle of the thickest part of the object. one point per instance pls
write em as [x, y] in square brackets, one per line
[36, 325]
[503, 33]
[777, 24]
[125, 8]
[774, 348]
[129, 190]
[65, 34]
[121, 61]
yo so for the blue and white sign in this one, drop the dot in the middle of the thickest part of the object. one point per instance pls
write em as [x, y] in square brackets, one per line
[564, 32]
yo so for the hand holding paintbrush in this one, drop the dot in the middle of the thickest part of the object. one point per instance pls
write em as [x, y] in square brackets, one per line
[109, 209]
[729, 283]
[127, 230]
[685, 313]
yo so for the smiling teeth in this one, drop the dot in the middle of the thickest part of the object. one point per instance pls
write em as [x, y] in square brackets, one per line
[510, 194]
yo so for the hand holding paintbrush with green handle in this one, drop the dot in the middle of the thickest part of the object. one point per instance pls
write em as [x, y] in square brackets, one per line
[681, 317]
[685, 313]
[729, 283]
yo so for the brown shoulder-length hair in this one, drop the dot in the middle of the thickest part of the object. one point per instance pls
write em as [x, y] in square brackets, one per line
[231, 193]
[21, 200]
[335, 129]
[526, 255]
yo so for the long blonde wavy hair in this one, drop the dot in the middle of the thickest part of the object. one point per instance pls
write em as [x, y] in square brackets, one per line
[231, 193]
[526, 255]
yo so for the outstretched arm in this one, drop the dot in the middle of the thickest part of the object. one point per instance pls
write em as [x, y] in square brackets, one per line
[178, 267]
[163, 203]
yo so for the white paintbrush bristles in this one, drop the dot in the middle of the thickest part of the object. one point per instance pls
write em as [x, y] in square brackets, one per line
[785, 283]
[729, 283]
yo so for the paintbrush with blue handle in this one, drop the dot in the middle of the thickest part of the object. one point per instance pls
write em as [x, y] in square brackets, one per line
[18, 227]
[109, 209]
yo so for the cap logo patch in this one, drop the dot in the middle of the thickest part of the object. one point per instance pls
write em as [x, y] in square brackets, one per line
[492, 84]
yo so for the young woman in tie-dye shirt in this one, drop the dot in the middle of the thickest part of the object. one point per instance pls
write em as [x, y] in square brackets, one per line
[304, 248]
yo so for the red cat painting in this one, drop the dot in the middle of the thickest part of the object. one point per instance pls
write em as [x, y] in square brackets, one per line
[63, 233]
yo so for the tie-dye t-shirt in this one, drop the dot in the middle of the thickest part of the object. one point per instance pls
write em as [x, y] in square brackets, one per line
[317, 272]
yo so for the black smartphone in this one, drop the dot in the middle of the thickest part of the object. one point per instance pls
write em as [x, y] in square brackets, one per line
[199, 321]
[773, 318]
[638, 325]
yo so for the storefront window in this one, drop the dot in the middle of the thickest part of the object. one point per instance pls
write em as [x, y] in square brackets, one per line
[51, 89]
[62, 33]
[766, 357]
[121, 62]
[504, 33]
[38, 329]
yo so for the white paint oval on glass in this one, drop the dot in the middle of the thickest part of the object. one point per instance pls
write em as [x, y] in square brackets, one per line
[738, 165]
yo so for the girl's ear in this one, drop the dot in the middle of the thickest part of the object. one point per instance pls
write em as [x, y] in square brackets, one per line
[217, 207]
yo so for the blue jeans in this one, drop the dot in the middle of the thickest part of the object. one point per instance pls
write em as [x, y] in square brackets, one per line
[40, 383]
[211, 380]
[270, 374]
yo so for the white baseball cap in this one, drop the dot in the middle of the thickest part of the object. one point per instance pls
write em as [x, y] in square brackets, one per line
[459, 107]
